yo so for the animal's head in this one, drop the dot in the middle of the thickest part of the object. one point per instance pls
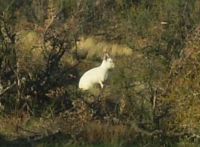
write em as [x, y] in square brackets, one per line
[108, 62]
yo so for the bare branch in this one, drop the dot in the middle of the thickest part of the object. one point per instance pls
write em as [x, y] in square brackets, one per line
[7, 88]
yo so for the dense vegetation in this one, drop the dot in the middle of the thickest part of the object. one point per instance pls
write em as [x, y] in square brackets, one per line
[151, 98]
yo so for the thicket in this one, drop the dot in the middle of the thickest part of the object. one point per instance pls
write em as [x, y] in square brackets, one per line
[153, 91]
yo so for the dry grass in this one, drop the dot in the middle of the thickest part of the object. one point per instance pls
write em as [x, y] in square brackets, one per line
[30, 51]
[97, 132]
[94, 47]
[29, 41]
[22, 126]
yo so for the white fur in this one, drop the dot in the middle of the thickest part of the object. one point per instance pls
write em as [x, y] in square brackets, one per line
[96, 75]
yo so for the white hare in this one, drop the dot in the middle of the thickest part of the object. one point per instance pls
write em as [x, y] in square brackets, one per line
[96, 75]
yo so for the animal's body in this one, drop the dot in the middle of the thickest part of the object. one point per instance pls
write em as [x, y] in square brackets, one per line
[96, 75]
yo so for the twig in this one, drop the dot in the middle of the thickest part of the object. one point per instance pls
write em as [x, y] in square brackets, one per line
[37, 135]
[9, 5]
[51, 22]
[144, 132]
[26, 130]
[154, 102]
[7, 88]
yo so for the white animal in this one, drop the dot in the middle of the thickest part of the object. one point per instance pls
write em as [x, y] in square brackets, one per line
[96, 75]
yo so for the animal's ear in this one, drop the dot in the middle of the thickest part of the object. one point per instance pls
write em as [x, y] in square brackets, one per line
[106, 56]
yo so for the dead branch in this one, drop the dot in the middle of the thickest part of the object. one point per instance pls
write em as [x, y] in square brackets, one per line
[52, 14]
[7, 89]
[144, 132]
[38, 135]
[50, 23]
[26, 130]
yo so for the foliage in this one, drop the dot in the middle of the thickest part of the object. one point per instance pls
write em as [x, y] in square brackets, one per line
[152, 95]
